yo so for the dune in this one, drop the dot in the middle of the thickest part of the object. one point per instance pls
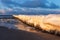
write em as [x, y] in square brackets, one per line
[49, 23]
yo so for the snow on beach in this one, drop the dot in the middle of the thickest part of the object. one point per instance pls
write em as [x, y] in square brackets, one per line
[49, 23]
[16, 24]
[9, 23]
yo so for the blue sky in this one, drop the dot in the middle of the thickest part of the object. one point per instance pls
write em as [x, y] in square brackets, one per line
[29, 6]
[52, 4]
[39, 3]
[57, 2]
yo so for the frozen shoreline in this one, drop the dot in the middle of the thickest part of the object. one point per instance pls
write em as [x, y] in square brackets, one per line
[49, 23]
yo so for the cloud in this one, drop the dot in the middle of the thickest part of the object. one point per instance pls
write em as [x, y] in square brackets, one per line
[29, 11]
[29, 3]
[39, 3]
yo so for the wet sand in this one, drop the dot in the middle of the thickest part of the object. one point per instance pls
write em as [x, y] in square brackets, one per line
[28, 34]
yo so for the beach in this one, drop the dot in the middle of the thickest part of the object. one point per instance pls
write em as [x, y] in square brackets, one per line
[24, 32]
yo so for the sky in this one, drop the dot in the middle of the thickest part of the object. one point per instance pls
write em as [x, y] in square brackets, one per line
[51, 4]
[29, 6]
[57, 2]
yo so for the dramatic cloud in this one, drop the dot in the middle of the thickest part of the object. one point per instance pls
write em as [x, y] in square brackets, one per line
[29, 7]
[39, 3]
[29, 11]
[29, 3]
